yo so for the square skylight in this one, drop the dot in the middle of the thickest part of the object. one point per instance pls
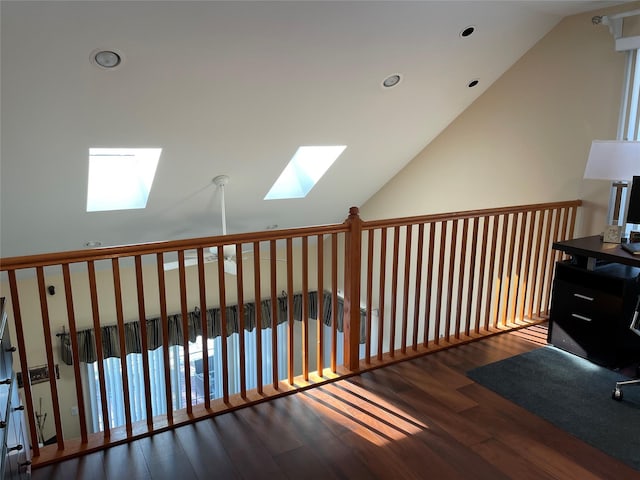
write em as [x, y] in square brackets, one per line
[303, 171]
[120, 178]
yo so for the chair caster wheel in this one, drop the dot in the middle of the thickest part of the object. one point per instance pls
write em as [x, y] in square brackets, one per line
[617, 394]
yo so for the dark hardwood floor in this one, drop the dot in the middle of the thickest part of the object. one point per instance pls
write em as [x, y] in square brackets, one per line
[414, 420]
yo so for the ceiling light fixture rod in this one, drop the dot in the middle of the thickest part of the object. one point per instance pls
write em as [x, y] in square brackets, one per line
[221, 181]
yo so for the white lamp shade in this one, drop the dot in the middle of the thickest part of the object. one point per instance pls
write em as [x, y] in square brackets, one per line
[613, 160]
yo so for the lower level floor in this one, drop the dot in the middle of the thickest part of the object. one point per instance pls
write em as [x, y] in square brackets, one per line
[417, 419]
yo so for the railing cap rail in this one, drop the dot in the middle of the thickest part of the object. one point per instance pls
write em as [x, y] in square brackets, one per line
[151, 248]
[438, 217]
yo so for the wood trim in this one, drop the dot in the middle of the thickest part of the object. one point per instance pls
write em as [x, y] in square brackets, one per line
[143, 342]
[73, 333]
[24, 366]
[117, 289]
[241, 324]
[290, 318]
[99, 351]
[440, 217]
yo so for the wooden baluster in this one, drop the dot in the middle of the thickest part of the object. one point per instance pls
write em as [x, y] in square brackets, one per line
[492, 264]
[418, 287]
[572, 224]
[461, 278]
[53, 383]
[405, 290]
[144, 345]
[543, 263]
[381, 292]
[274, 314]
[539, 223]
[334, 301]
[258, 304]
[517, 283]
[24, 366]
[367, 345]
[562, 235]
[429, 291]
[290, 319]
[162, 294]
[97, 331]
[481, 276]
[509, 267]
[223, 325]
[453, 250]
[443, 249]
[527, 291]
[241, 324]
[394, 291]
[73, 337]
[320, 328]
[182, 280]
[471, 286]
[204, 322]
[305, 308]
[552, 260]
[500, 274]
[117, 288]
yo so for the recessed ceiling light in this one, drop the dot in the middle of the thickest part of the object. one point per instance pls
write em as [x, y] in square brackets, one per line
[391, 81]
[106, 58]
[467, 31]
[473, 83]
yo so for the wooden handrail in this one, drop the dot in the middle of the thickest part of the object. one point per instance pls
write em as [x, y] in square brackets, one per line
[439, 217]
[153, 248]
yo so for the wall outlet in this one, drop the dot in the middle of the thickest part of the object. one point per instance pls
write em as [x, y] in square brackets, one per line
[74, 411]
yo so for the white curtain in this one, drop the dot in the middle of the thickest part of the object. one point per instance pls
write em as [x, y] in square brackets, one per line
[113, 373]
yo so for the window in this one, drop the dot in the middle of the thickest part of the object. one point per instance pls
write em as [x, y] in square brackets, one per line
[120, 178]
[303, 171]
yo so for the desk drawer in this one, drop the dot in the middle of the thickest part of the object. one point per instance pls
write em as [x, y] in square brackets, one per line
[584, 303]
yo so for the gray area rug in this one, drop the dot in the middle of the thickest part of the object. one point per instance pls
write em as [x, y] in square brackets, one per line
[573, 394]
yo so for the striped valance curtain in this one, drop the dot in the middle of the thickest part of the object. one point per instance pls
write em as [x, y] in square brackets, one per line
[111, 345]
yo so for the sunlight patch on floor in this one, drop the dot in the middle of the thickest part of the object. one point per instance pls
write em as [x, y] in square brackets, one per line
[364, 413]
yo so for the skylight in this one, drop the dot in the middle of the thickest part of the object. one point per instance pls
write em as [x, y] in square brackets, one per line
[303, 171]
[120, 178]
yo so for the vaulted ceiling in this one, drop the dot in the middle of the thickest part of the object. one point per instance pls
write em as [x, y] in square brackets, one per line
[233, 88]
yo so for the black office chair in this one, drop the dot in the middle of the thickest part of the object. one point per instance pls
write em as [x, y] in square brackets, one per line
[635, 328]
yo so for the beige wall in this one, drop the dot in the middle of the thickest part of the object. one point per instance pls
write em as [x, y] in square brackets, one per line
[526, 139]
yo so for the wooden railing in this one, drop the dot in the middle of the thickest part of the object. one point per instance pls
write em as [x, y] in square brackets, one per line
[393, 289]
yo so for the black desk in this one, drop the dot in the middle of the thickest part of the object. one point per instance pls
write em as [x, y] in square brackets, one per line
[590, 250]
[595, 294]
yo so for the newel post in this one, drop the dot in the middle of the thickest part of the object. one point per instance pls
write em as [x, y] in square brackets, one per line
[352, 274]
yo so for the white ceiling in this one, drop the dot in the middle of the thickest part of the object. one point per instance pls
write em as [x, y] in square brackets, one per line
[233, 88]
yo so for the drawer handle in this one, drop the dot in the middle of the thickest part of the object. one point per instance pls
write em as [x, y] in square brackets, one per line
[580, 317]
[583, 297]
